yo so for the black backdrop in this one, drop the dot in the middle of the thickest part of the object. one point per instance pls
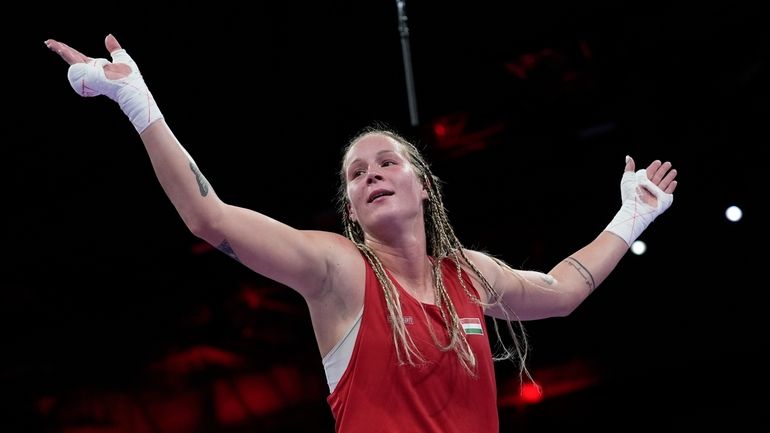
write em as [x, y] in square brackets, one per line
[101, 278]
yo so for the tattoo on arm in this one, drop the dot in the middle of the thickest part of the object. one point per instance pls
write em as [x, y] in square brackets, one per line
[203, 184]
[585, 273]
[227, 249]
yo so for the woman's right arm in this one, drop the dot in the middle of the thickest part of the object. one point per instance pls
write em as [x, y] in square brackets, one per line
[300, 259]
[307, 261]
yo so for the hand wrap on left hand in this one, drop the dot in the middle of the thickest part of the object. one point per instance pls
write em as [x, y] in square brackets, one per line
[635, 215]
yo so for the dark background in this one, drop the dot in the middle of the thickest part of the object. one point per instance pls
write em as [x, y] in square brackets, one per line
[106, 296]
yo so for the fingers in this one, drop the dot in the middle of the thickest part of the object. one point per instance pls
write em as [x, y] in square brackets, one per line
[69, 54]
[111, 43]
[653, 168]
[73, 56]
[662, 175]
[657, 170]
[668, 184]
[630, 164]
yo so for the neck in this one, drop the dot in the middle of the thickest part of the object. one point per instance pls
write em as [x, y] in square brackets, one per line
[408, 261]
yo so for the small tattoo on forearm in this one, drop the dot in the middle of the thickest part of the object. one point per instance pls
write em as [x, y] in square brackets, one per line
[203, 184]
[227, 249]
[585, 273]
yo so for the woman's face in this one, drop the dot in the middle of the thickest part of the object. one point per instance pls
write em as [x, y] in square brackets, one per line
[381, 182]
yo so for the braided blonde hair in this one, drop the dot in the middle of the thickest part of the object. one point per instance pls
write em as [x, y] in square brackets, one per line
[441, 243]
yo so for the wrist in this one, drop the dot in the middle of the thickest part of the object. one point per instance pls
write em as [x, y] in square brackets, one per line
[139, 106]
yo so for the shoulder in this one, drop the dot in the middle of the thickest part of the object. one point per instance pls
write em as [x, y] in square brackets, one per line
[334, 242]
[486, 267]
[345, 265]
[485, 263]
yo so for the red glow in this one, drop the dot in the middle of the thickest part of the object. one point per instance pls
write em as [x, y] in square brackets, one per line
[455, 137]
[558, 380]
[531, 393]
[180, 412]
[201, 248]
[439, 129]
[257, 395]
[251, 297]
[528, 61]
[261, 298]
[197, 358]
[45, 404]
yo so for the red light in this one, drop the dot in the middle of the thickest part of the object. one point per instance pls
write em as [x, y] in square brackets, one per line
[531, 393]
[439, 129]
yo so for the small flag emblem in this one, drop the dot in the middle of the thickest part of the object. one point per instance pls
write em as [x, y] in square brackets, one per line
[472, 326]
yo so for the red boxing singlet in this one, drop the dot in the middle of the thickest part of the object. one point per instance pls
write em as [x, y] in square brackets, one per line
[376, 395]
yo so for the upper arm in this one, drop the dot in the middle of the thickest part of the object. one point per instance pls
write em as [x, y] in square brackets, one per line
[307, 261]
[528, 295]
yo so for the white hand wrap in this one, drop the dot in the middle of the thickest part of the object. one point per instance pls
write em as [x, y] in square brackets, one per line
[634, 215]
[130, 92]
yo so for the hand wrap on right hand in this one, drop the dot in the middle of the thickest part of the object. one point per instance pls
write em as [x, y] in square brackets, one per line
[130, 92]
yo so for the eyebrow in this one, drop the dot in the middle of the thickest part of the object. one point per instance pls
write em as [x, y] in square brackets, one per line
[378, 154]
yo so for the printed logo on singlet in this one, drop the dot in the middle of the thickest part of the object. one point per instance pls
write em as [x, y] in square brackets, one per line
[408, 320]
[472, 325]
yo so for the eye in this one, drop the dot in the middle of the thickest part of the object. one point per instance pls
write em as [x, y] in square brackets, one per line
[388, 162]
[356, 173]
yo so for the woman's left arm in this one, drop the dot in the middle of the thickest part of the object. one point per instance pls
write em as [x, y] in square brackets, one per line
[531, 295]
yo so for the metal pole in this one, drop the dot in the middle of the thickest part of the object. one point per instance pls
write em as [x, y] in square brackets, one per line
[403, 29]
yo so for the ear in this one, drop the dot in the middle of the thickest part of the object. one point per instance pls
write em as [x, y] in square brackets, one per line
[425, 195]
[351, 212]
[425, 187]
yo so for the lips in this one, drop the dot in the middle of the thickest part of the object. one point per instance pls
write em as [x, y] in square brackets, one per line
[377, 194]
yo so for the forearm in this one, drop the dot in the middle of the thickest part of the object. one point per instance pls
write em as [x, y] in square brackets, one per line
[642, 200]
[180, 178]
[589, 266]
[532, 295]
[559, 292]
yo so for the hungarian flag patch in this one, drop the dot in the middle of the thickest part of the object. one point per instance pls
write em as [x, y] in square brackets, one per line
[472, 326]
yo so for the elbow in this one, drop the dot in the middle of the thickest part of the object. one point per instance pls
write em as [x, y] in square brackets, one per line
[205, 225]
[566, 310]
[563, 310]
[203, 228]
[198, 227]
[569, 303]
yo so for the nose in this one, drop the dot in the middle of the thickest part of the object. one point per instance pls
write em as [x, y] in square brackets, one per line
[373, 176]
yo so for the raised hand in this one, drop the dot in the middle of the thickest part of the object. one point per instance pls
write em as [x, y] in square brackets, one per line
[119, 79]
[644, 194]
[660, 174]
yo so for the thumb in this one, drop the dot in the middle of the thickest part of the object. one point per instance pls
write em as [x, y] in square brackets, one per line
[630, 165]
[111, 43]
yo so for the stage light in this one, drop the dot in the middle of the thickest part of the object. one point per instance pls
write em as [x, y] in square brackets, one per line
[734, 213]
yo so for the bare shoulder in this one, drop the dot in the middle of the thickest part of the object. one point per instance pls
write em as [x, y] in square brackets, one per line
[340, 251]
[334, 308]
[486, 265]
[484, 262]
[345, 265]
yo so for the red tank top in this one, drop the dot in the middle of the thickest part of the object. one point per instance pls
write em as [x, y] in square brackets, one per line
[376, 395]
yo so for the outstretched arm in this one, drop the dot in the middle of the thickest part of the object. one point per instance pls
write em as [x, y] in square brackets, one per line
[534, 295]
[298, 259]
